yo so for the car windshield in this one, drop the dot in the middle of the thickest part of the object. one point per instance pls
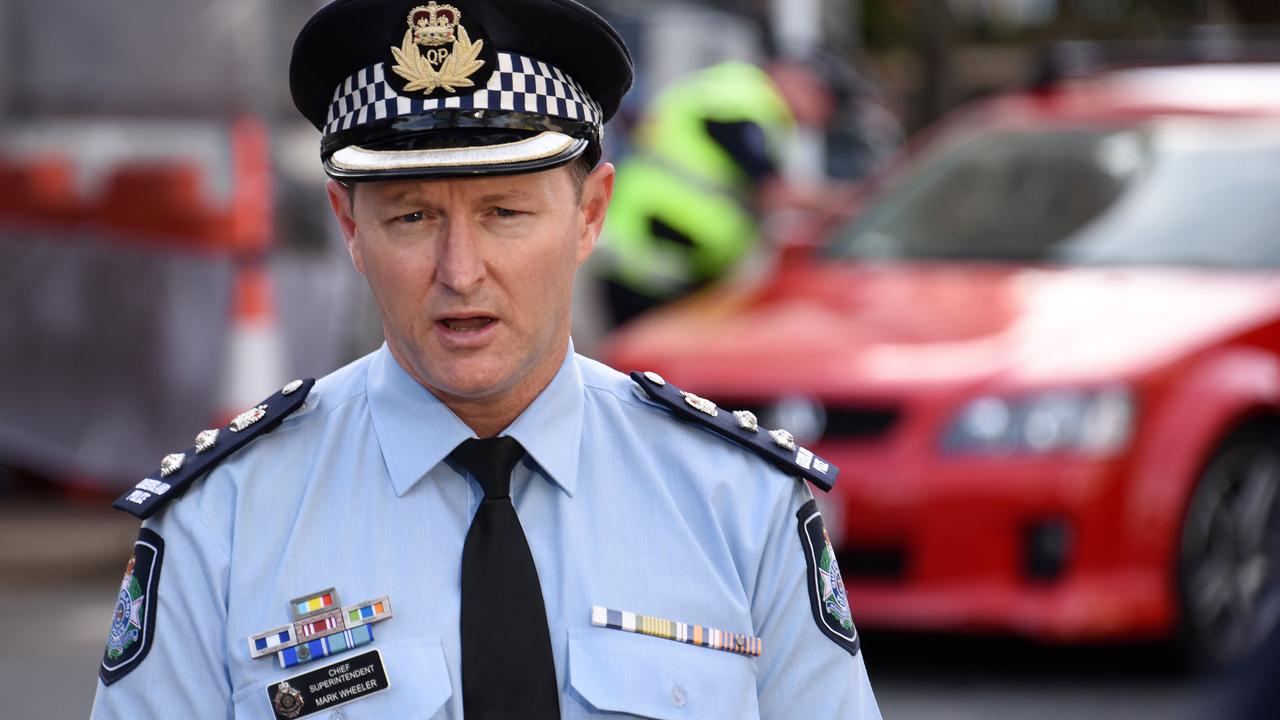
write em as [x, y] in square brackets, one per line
[1186, 192]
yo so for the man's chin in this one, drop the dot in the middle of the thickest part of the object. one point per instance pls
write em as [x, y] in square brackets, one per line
[489, 376]
[472, 380]
[452, 373]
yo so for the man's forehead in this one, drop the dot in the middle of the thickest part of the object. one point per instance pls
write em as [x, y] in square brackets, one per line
[484, 186]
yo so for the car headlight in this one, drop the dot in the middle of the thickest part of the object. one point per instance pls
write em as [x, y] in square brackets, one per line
[1094, 422]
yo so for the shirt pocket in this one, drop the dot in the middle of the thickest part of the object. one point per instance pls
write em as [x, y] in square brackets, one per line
[418, 686]
[650, 677]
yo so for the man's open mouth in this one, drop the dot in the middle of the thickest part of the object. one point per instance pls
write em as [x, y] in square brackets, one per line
[470, 324]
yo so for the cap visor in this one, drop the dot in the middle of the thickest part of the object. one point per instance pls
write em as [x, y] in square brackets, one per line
[538, 152]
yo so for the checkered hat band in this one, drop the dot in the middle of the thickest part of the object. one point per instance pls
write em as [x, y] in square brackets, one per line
[519, 84]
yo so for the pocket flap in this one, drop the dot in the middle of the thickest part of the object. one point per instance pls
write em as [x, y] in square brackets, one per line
[628, 673]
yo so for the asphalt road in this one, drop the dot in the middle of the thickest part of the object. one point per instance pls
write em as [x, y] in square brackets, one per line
[61, 572]
[985, 678]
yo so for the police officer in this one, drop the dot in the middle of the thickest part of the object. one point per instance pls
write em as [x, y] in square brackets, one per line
[473, 521]
[706, 169]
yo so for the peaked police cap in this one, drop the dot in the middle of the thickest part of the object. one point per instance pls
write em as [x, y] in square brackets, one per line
[406, 88]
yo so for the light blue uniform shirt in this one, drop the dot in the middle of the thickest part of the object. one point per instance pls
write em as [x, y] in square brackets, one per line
[624, 507]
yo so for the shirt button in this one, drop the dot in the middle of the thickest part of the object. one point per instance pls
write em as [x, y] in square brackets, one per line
[678, 697]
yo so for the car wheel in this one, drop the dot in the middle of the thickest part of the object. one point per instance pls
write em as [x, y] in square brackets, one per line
[1229, 563]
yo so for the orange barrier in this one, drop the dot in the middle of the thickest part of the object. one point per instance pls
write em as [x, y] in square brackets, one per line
[40, 190]
[154, 202]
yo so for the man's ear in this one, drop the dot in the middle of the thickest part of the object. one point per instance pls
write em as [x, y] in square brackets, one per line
[341, 201]
[597, 191]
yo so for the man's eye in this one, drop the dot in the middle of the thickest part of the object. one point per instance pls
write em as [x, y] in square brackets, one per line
[411, 217]
[505, 213]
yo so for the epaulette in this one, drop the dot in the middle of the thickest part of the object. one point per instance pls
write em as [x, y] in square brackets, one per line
[178, 471]
[740, 426]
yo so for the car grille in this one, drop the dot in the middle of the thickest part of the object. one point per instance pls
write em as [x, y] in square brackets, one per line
[884, 564]
[860, 422]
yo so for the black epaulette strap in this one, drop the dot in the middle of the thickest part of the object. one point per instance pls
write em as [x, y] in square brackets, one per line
[776, 446]
[178, 471]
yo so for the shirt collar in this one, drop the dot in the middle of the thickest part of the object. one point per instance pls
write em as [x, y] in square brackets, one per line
[550, 429]
[416, 431]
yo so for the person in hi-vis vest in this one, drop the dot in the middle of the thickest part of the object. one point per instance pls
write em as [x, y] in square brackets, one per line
[705, 167]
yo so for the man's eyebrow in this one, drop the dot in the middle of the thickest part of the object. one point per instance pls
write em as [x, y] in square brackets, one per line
[406, 195]
[509, 194]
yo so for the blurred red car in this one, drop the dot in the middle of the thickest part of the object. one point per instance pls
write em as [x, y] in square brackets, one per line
[1046, 357]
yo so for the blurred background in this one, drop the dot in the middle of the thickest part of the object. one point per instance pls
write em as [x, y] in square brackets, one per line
[1010, 264]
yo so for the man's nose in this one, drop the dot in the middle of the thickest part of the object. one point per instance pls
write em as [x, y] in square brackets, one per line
[461, 267]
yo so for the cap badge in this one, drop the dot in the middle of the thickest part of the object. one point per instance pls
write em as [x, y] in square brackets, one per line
[434, 26]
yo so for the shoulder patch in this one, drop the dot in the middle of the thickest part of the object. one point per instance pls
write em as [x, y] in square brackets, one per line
[776, 446]
[827, 595]
[133, 624]
[178, 471]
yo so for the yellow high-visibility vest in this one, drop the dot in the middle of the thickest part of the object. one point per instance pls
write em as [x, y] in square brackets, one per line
[681, 177]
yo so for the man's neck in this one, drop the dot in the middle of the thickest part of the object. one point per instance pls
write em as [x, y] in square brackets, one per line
[488, 416]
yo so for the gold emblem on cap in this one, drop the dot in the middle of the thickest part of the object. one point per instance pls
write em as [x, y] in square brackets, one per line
[432, 26]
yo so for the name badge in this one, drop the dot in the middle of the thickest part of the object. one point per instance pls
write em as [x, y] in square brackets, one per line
[328, 687]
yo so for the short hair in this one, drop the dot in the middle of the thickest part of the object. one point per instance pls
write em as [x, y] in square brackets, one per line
[580, 169]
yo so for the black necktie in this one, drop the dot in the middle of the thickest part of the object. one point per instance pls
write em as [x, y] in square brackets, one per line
[507, 668]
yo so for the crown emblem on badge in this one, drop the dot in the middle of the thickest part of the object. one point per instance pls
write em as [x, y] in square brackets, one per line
[434, 26]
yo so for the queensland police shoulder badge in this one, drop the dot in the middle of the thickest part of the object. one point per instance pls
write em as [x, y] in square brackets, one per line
[827, 595]
[133, 623]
